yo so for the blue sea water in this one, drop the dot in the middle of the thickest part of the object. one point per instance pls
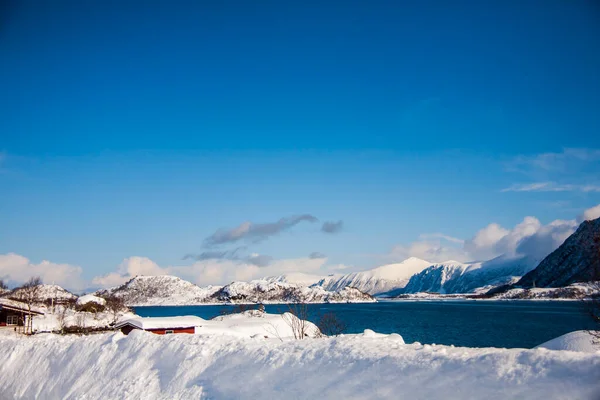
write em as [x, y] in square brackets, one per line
[470, 323]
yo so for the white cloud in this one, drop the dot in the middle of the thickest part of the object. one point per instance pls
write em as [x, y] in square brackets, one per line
[129, 268]
[214, 271]
[218, 272]
[18, 269]
[551, 187]
[567, 159]
[589, 214]
[529, 238]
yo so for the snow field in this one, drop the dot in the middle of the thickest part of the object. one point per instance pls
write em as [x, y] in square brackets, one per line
[147, 366]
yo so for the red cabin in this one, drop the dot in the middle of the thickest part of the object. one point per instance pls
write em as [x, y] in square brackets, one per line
[162, 325]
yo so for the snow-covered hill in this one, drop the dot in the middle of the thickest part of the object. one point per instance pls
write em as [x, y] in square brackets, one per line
[299, 278]
[159, 290]
[456, 277]
[576, 260]
[45, 293]
[262, 291]
[170, 290]
[573, 291]
[378, 280]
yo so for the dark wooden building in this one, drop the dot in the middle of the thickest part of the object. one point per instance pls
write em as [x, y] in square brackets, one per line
[15, 313]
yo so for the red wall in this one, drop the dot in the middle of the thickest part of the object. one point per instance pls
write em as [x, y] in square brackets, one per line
[175, 330]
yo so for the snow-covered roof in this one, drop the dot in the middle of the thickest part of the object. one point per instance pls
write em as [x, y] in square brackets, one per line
[186, 321]
[18, 305]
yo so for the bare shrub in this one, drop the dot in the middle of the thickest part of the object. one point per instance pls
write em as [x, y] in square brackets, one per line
[61, 318]
[330, 325]
[239, 308]
[29, 293]
[91, 307]
[115, 306]
[297, 318]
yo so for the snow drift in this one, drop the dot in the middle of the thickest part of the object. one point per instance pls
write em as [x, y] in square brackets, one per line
[147, 366]
[573, 341]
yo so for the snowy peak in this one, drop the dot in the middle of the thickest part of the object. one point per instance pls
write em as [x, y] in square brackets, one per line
[456, 277]
[576, 260]
[378, 280]
[298, 278]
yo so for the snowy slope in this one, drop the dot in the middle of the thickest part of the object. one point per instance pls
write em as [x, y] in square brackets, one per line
[160, 290]
[456, 277]
[298, 278]
[574, 341]
[378, 280]
[367, 366]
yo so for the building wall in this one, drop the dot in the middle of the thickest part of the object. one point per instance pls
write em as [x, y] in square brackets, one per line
[175, 330]
[127, 328]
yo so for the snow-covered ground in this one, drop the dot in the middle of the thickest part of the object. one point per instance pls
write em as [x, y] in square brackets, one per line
[366, 366]
[574, 341]
[66, 317]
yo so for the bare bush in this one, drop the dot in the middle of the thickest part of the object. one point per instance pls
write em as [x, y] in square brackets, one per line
[29, 293]
[297, 318]
[91, 307]
[61, 318]
[330, 325]
[237, 309]
[115, 306]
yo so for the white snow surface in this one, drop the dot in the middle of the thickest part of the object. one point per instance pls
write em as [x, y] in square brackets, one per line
[90, 298]
[143, 365]
[255, 324]
[574, 341]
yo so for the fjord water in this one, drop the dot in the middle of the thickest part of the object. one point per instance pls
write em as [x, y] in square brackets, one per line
[469, 323]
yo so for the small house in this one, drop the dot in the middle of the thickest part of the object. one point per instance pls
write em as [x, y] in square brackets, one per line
[162, 325]
[14, 312]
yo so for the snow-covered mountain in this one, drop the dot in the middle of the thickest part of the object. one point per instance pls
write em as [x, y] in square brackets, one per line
[456, 277]
[299, 278]
[262, 291]
[171, 290]
[45, 293]
[378, 280]
[576, 260]
[159, 290]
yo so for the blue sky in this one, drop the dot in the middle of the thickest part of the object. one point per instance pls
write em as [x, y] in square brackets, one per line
[130, 130]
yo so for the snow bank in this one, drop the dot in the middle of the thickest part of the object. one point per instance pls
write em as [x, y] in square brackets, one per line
[147, 366]
[255, 323]
[90, 298]
[252, 323]
[574, 341]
